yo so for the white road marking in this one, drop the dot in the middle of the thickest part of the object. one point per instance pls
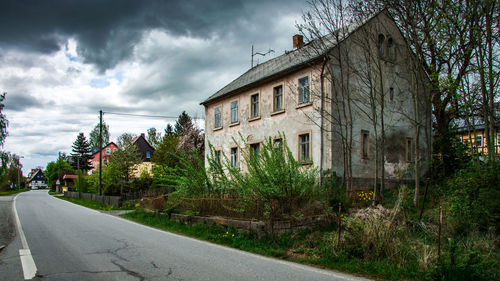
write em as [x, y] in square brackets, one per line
[29, 267]
[27, 262]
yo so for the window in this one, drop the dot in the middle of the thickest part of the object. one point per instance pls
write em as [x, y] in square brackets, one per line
[234, 112]
[498, 139]
[234, 157]
[304, 148]
[278, 98]
[304, 90]
[254, 106]
[365, 144]
[409, 149]
[278, 143]
[218, 156]
[255, 150]
[479, 141]
[108, 150]
[381, 39]
[391, 94]
[390, 49]
[148, 154]
[115, 149]
[217, 117]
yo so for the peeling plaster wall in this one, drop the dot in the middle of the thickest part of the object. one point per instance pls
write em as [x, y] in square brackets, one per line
[295, 119]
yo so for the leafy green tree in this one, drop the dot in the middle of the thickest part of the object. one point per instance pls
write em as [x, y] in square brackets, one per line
[81, 153]
[4, 123]
[94, 135]
[154, 137]
[183, 123]
[165, 153]
[55, 170]
[125, 159]
[125, 139]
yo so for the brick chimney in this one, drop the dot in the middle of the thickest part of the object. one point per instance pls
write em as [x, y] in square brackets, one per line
[298, 41]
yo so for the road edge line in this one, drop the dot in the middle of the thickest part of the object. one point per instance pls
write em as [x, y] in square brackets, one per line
[27, 261]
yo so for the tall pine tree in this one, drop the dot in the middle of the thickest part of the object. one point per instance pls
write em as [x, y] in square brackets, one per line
[183, 123]
[82, 153]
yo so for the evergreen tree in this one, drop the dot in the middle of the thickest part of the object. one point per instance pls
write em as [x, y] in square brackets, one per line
[183, 123]
[169, 131]
[94, 135]
[81, 153]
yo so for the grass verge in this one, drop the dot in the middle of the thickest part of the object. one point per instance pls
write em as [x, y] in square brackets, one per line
[11, 192]
[306, 247]
[94, 204]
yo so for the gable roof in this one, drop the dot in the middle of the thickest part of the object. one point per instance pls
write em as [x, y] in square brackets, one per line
[144, 147]
[290, 61]
[37, 172]
[103, 148]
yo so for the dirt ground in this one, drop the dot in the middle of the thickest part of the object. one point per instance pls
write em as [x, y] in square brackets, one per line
[6, 221]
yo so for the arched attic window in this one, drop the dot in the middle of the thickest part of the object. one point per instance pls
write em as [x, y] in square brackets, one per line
[380, 45]
[390, 49]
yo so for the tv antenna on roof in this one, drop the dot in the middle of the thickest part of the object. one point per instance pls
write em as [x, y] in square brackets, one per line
[261, 54]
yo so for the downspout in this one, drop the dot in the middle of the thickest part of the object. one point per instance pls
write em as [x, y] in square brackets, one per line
[322, 121]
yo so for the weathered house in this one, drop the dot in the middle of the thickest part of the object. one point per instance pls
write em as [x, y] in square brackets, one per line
[347, 103]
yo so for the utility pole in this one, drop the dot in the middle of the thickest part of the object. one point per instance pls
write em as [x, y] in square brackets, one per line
[19, 173]
[100, 152]
[78, 168]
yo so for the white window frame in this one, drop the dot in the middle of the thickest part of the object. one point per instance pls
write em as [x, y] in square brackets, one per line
[234, 157]
[301, 90]
[304, 149]
[275, 109]
[480, 139]
[234, 111]
[254, 113]
[219, 108]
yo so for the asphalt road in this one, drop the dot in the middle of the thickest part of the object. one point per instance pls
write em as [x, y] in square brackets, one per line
[70, 242]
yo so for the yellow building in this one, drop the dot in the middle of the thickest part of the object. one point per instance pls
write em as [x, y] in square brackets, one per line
[475, 138]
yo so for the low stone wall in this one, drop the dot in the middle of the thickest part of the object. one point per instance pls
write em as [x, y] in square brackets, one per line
[259, 227]
[108, 200]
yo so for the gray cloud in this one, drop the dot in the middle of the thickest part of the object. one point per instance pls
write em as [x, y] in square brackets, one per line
[106, 31]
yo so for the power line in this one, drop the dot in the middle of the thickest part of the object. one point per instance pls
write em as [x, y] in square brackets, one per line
[148, 116]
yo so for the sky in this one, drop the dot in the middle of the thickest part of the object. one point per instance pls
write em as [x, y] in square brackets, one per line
[63, 61]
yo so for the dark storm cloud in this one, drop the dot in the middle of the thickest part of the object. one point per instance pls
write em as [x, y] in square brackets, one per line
[106, 31]
[20, 102]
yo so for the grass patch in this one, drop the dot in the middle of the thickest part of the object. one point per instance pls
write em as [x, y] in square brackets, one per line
[95, 205]
[11, 192]
[312, 247]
